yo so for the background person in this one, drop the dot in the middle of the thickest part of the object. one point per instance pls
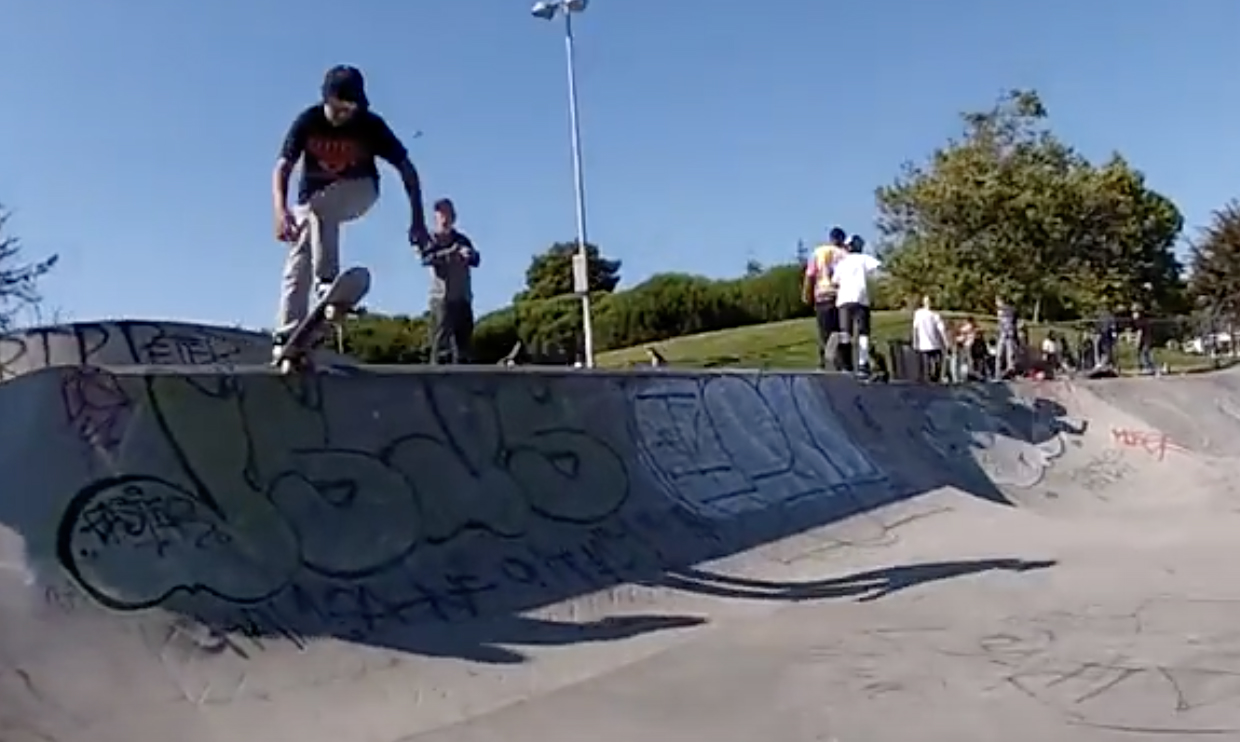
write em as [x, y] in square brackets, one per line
[451, 257]
[1144, 329]
[929, 340]
[1052, 351]
[1007, 344]
[818, 289]
[852, 283]
[1106, 328]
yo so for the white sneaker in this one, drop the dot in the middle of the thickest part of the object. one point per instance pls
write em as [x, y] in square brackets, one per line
[278, 342]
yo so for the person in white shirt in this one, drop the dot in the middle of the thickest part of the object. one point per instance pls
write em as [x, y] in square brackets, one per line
[929, 340]
[852, 281]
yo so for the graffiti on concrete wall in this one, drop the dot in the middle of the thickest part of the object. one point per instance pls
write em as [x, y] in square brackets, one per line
[355, 507]
[731, 444]
[96, 406]
[125, 343]
[353, 510]
[1156, 443]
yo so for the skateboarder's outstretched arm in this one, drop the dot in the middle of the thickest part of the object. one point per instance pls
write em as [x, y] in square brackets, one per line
[291, 151]
[389, 147]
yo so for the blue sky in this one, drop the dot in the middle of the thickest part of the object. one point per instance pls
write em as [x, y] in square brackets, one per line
[138, 136]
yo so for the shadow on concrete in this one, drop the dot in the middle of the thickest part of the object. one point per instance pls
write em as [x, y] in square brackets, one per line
[483, 641]
[864, 586]
[931, 437]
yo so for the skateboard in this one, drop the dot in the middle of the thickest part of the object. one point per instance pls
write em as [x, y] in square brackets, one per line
[344, 294]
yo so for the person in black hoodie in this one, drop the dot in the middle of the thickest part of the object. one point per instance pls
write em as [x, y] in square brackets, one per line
[451, 257]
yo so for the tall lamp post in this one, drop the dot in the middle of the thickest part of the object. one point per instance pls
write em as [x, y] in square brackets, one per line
[547, 10]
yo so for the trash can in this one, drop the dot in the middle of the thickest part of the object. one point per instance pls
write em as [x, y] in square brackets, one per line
[905, 363]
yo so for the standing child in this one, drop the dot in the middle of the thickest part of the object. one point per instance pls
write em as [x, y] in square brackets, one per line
[451, 257]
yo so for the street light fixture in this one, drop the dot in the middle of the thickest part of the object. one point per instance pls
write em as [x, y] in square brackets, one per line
[547, 10]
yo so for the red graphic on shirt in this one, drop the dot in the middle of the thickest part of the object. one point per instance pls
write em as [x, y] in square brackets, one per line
[335, 155]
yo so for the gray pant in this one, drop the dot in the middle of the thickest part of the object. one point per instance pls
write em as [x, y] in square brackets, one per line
[451, 331]
[315, 256]
[1006, 351]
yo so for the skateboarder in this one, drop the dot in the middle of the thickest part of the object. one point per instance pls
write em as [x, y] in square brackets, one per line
[337, 140]
[451, 257]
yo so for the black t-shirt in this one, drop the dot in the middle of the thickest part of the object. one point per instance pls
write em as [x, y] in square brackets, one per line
[342, 152]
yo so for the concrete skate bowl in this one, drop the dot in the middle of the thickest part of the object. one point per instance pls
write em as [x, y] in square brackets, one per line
[131, 342]
[1199, 412]
[260, 534]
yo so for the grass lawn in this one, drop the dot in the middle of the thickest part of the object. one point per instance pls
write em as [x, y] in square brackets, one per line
[793, 345]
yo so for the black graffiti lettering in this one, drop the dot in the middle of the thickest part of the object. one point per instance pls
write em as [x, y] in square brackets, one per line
[196, 347]
[463, 591]
[96, 406]
[91, 339]
[136, 518]
[455, 601]
[521, 572]
[127, 342]
[562, 565]
[184, 349]
[252, 625]
[325, 537]
[257, 625]
[41, 337]
[305, 604]
[426, 598]
[356, 607]
[614, 549]
[12, 350]
[600, 565]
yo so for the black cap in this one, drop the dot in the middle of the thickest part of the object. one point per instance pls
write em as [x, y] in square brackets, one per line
[347, 84]
[837, 235]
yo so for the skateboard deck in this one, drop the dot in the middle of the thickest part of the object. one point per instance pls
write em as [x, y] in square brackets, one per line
[345, 293]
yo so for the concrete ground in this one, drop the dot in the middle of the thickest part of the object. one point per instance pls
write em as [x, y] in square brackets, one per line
[195, 550]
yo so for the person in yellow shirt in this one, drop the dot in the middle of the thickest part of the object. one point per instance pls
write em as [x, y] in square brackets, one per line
[819, 290]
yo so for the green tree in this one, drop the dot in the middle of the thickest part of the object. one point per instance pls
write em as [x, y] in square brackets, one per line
[378, 338]
[1214, 278]
[18, 278]
[551, 273]
[1008, 208]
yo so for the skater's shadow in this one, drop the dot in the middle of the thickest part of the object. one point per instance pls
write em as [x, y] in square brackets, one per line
[485, 640]
[864, 586]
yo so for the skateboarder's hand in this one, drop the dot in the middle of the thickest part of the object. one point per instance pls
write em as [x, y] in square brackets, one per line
[286, 226]
[419, 236]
